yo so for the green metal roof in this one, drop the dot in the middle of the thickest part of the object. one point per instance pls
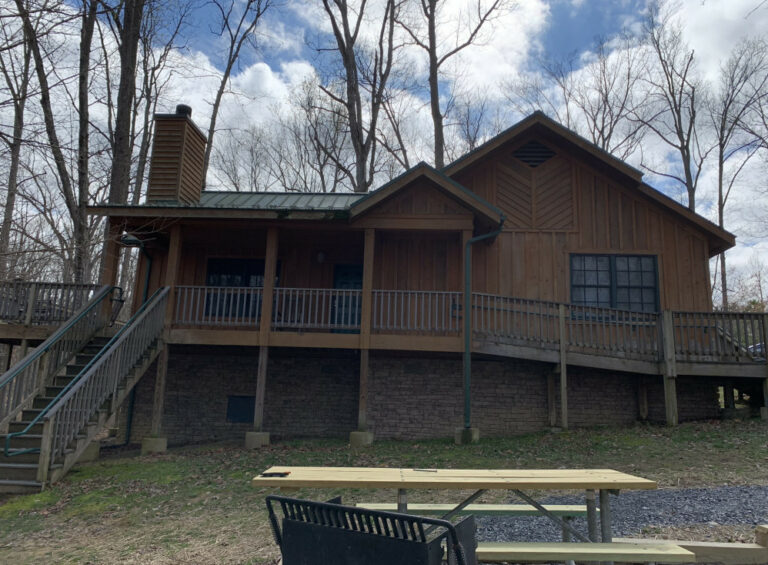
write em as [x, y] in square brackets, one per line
[273, 201]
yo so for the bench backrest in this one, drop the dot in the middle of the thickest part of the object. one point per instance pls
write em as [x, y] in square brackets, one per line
[317, 533]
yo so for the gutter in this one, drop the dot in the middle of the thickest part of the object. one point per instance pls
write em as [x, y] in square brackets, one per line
[467, 321]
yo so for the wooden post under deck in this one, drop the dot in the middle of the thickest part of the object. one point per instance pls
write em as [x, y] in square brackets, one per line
[169, 279]
[642, 398]
[366, 310]
[563, 369]
[265, 324]
[670, 369]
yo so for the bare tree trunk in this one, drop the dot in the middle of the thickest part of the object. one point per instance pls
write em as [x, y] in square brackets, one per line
[19, 93]
[60, 161]
[130, 31]
[434, 85]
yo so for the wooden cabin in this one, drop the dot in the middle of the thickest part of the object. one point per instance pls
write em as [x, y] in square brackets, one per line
[586, 300]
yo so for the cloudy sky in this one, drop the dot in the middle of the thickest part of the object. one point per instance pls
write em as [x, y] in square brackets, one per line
[518, 38]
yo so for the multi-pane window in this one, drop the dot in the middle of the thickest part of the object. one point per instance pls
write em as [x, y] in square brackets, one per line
[627, 282]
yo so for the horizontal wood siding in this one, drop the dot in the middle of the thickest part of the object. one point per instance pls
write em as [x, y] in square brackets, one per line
[566, 206]
[176, 168]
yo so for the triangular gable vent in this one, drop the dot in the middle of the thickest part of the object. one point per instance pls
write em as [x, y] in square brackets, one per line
[534, 154]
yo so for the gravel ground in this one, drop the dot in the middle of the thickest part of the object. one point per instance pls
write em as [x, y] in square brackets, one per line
[635, 510]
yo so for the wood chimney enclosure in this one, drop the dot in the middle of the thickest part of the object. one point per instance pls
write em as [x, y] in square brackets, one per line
[178, 150]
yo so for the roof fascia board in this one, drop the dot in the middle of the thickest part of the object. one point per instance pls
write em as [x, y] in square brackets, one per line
[539, 118]
[446, 184]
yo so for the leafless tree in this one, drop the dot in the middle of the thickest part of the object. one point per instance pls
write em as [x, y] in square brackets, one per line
[126, 16]
[15, 65]
[423, 26]
[361, 88]
[597, 96]
[743, 83]
[675, 93]
[237, 22]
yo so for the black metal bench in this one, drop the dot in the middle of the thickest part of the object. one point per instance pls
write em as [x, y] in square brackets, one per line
[319, 533]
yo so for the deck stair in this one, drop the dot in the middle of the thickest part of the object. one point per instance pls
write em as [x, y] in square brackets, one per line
[50, 433]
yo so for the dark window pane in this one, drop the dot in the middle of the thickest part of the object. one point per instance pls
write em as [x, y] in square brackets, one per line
[577, 262]
[649, 279]
[604, 263]
[604, 296]
[634, 263]
[622, 295]
[622, 278]
[590, 277]
[649, 296]
[578, 277]
[590, 262]
[647, 264]
[604, 278]
[621, 263]
[578, 295]
[635, 295]
[590, 295]
[635, 278]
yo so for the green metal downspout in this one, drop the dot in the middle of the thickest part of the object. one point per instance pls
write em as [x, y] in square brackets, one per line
[467, 320]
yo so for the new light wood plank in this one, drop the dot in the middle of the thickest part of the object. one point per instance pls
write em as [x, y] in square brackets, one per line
[352, 477]
[633, 553]
[709, 552]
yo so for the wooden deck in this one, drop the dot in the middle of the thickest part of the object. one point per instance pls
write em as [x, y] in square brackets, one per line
[696, 343]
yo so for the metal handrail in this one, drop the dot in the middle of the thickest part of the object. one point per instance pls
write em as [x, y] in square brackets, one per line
[105, 373]
[25, 377]
[72, 383]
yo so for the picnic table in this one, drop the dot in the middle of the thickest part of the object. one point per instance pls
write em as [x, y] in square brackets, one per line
[595, 482]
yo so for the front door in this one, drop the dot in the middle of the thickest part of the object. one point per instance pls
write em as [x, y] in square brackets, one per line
[346, 308]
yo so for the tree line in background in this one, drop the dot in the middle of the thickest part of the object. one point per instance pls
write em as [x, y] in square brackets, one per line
[81, 82]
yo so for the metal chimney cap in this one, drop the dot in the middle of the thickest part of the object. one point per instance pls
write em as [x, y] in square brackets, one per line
[184, 110]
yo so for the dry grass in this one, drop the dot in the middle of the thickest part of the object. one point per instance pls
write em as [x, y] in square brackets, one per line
[195, 505]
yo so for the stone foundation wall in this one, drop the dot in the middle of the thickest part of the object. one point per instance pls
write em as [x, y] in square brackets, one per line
[313, 393]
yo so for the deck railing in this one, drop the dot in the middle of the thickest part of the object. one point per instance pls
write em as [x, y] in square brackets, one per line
[417, 312]
[316, 309]
[217, 306]
[515, 320]
[698, 336]
[723, 337]
[42, 303]
[611, 332]
[100, 379]
[22, 381]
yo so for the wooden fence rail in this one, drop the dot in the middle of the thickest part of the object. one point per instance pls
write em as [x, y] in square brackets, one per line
[42, 303]
[218, 306]
[723, 337]
[316, 309]
[417, 312]
[698, 336]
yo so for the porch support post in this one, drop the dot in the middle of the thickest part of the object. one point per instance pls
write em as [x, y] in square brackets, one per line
[563, 368]
[670, 369]
[258, 437]
[157, 442]
[362, 436]
[551, 398]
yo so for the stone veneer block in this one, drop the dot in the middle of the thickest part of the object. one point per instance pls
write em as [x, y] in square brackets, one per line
[360, 439]
[255, 440]
[465, 436]
[154, 445]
